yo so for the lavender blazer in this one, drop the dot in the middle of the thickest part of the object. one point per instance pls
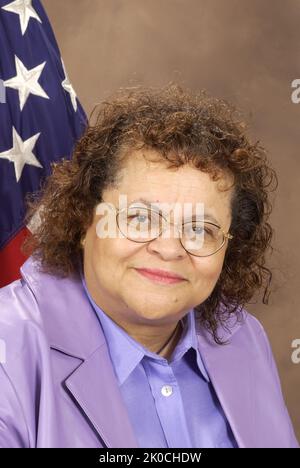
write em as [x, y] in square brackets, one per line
[58, 387]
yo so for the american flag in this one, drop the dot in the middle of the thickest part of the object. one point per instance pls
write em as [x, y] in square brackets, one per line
[40, 119]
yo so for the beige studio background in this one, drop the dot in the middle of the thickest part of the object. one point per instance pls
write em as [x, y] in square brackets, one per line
[247, 51]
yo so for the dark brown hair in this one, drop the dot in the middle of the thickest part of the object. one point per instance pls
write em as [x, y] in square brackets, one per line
[182, 127]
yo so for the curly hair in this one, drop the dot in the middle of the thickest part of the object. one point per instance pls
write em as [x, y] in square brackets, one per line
[183, 127]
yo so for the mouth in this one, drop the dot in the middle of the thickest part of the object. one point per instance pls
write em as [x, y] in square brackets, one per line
[160, 276]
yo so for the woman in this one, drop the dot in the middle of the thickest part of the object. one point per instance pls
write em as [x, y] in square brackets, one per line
[127, 327]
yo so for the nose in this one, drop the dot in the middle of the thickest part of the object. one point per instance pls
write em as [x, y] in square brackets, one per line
[167, 249]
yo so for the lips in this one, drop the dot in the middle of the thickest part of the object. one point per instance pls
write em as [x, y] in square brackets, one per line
[163, 273]
[161, 276]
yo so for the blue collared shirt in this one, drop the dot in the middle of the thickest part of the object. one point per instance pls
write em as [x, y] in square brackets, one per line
[170, 404]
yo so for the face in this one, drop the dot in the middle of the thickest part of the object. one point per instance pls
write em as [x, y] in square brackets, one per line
[110, 264]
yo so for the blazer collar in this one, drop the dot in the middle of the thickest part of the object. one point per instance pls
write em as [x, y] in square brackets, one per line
[73, 328]
[69, 320]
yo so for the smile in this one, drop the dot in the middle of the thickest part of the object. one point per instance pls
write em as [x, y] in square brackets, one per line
[159, 278]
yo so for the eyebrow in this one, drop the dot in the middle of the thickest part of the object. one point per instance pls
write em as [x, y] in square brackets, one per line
[207, 215]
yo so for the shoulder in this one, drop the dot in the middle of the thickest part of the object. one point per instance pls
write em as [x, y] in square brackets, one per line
[241, 329]
[24, 357]
[241, 333]
[257, 334]
[254, 326]
[20, 319]
[248, 333]
[253, 342]
[253, 323]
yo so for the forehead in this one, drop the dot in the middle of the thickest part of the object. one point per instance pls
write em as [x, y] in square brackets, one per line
[146, 175]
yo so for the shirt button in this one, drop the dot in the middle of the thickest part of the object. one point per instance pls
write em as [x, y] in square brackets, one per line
[167, 390]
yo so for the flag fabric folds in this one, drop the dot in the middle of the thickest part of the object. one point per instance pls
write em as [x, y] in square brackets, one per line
[40, 119]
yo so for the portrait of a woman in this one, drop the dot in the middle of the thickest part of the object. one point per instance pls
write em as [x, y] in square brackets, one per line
[129, 326]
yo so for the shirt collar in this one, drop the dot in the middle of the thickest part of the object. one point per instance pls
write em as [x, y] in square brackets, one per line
[126, 353]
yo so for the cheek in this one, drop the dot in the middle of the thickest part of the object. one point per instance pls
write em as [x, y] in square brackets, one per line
[206, 276]
[208, 269]
[113, 254]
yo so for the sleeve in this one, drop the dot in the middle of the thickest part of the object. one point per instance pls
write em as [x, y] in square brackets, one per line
[13, 430]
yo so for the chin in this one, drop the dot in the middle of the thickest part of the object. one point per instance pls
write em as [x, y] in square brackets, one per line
[153, 310]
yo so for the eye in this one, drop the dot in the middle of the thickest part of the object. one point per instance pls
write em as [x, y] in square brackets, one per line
[194, 228]
[137, 214]
[201, 229]
[139, 218]
[197, 229]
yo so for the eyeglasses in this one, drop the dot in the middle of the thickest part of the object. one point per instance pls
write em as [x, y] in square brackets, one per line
[198, 237]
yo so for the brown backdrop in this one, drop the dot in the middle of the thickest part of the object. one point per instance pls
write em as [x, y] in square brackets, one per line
[247, 51]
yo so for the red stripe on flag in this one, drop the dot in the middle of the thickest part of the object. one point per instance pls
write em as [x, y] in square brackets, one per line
[11, 258]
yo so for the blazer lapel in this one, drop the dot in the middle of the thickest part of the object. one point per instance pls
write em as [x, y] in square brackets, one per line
[95, 388]
[73, 328]
[231, 374]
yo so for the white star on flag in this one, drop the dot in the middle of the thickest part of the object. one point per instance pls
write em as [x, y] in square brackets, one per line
[25, 10]
[21, 153]
[26, 82]
[66, 84]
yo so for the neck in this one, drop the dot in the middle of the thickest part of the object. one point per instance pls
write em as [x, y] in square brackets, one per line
[163, 344]
[167, 349]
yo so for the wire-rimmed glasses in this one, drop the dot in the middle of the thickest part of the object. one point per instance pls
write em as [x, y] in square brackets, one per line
[198, 237]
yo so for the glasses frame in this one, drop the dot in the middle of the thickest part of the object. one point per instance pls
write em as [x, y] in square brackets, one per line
[226, 235]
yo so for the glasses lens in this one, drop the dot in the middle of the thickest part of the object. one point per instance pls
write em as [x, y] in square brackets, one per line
[198, 237]
[201, 238]
[140, 224]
